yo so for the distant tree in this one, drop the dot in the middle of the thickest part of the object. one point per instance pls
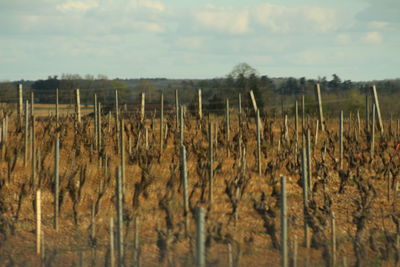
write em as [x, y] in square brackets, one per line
[335, 82]
[44, 90]
[290, 87]
[146, 87]
[216, 104]
[123, 91]
[8, 92]
[242, 69]
[323, 82]
[68, 83]
[347, 85]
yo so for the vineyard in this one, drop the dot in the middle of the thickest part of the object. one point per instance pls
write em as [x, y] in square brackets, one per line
[137, 187]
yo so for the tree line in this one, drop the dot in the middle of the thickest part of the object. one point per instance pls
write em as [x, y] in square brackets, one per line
[273, 94]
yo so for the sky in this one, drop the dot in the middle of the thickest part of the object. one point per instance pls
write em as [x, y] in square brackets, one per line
[355, 39]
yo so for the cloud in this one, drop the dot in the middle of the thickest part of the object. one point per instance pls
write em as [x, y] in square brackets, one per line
[225, 20]
[77, 6]
[377, 25]
[372, 38]
[283, 19]
[381, 10]
[191, 43]
[152, 5]
[275, 18]
[149, 26]
[195, 39]
[343, 39]
[99, 17]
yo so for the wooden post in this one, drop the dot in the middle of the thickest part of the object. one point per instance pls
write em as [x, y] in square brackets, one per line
[367, 112]
[136, 248]
[96, 136]
[305, 196]
[6, 128]
[42, 250]
[20, 103]
[185, 188]
[279, 146]
[200, 106]
[116, 109]
[78, 106]
[333, 237]
[117, 123]
[372, 149]
[200, 238]
[344, 261]
[99, 133]
[391, 125]
[358, 123]
[38, 222]
[240, 103]
[177, 108]
[32, 103]
[341, 140]
[286, 128]
[350, 126]
[316, 135]
[294, 263]
[142, 107]
[56, 182]
[93, 222]
[57, 113]
[181, 125]
[258, 143]
[33, 151]
[309, 160]
[161, 123]
[284, 250]
[122, 150]
[296, 121]
[321, 115]
[26, 134]
[112, 257]
[303, 114]
[146, 138]
[377, 108]
[253, 101]
[215, 135]
[119, 208]
[211, 162]
[230, 256]
[227, 126]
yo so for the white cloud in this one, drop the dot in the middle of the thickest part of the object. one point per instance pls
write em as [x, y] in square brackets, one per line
[372, 38]
[343, 39]
[283, 19]
[310, 57]
[226, 20]
[381, 10]
[320, 19]
[150, 26]
[77, 6]
[377, 25]
[145, 4]
[153, 5]
[191, 43]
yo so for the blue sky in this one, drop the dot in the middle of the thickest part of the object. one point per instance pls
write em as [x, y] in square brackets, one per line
[356, 39]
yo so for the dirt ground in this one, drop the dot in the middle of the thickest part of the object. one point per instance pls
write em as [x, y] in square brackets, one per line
[362, 194]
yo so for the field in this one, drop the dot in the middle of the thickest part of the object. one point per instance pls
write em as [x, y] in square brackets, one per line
[43, 110]
[242, 203]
